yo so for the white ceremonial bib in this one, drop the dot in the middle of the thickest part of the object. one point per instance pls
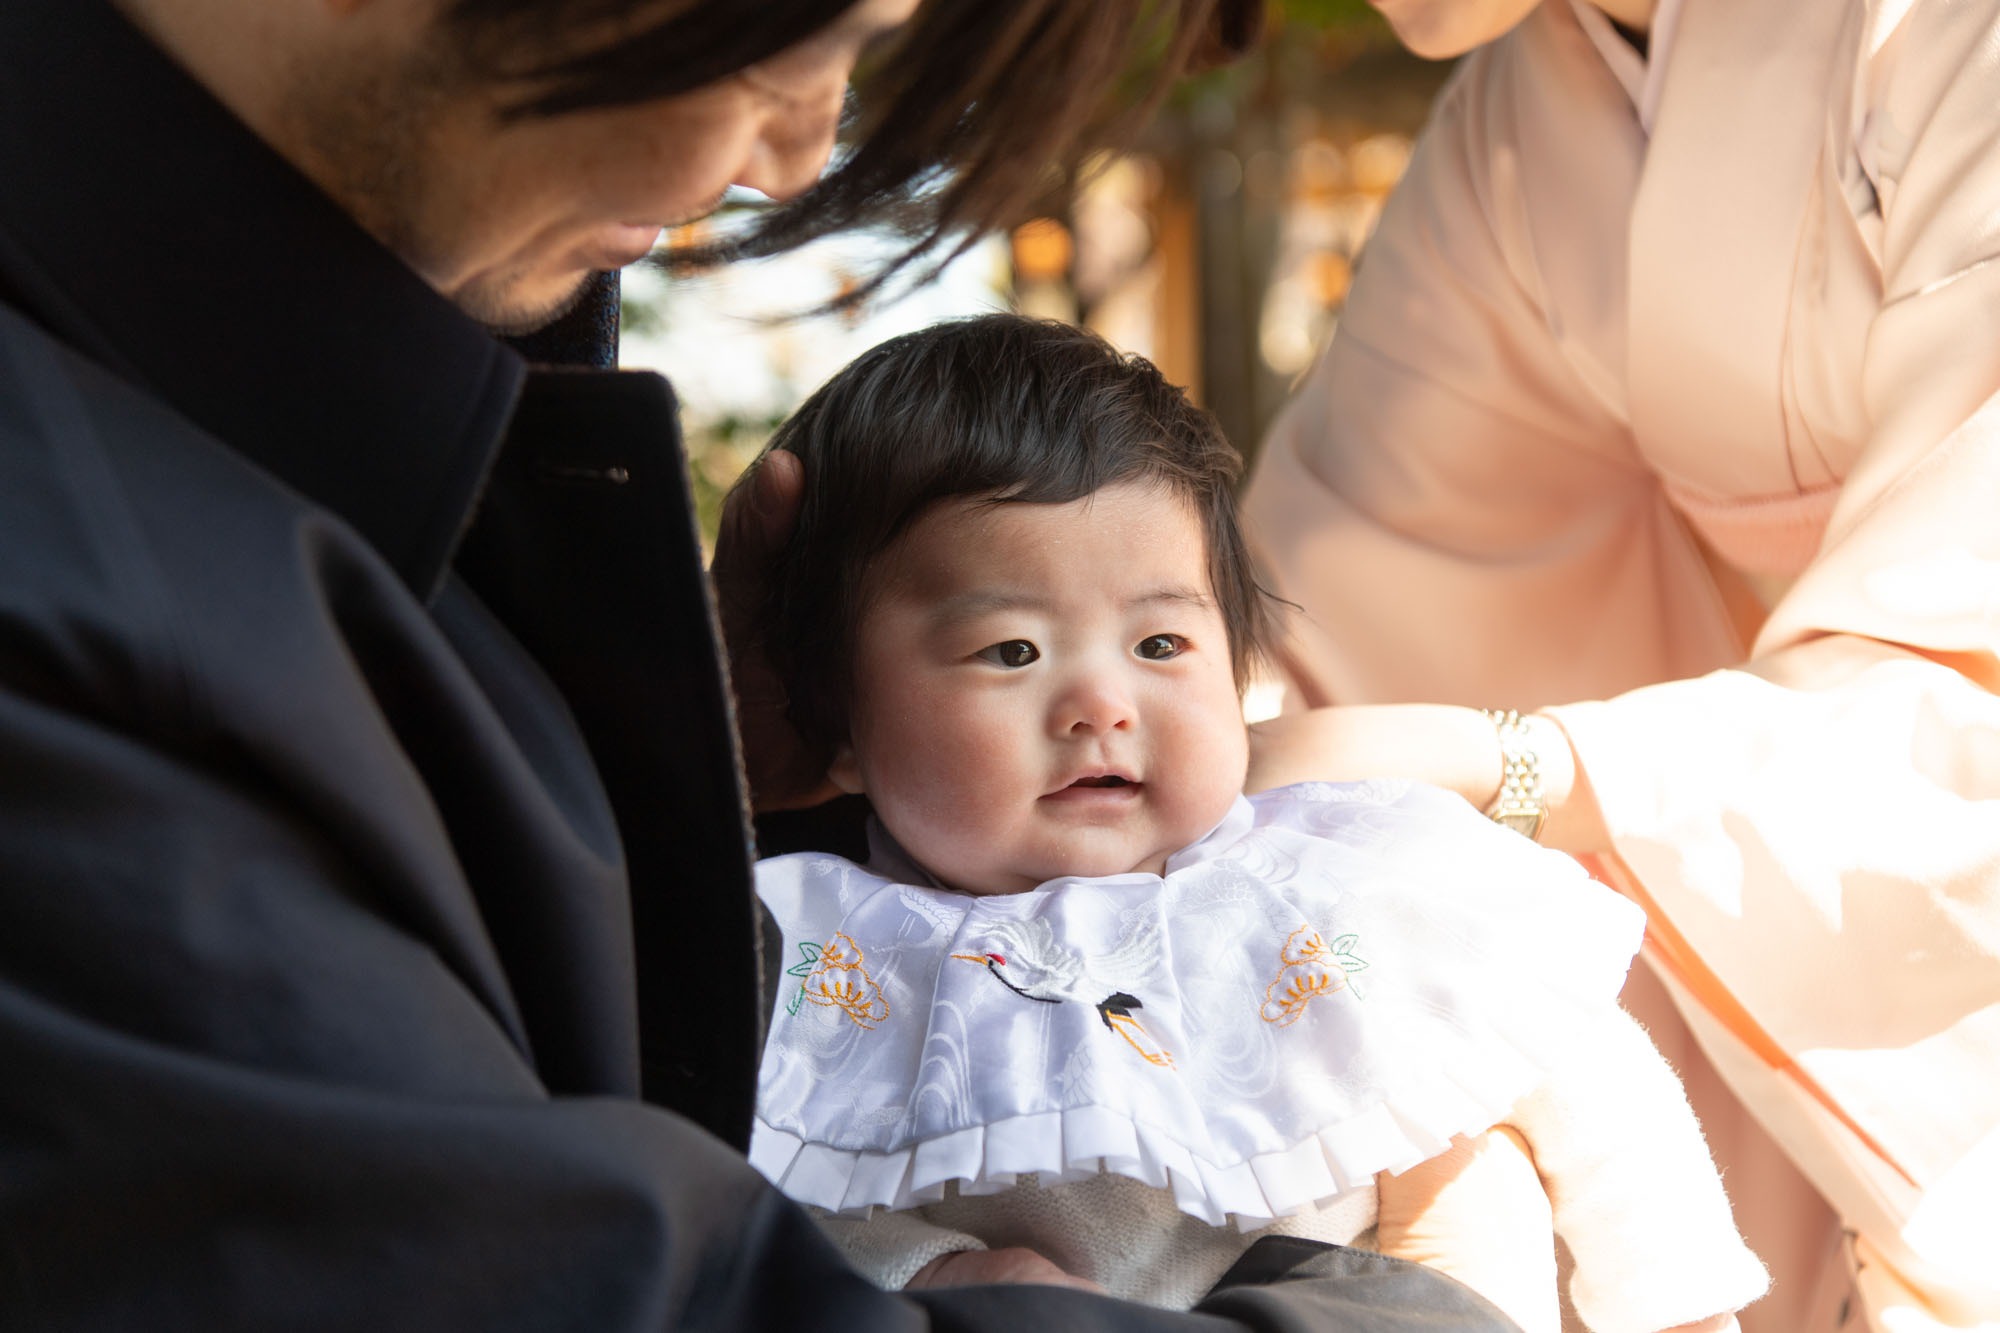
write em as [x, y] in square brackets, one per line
[1334, 982]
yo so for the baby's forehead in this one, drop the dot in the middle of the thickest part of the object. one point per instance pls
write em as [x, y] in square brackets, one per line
[1127, 543]
[1152, 510]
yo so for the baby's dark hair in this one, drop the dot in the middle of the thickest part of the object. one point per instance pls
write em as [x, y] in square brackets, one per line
[1003, 408]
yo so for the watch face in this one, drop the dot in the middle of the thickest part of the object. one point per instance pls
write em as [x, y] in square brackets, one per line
[1528, 823]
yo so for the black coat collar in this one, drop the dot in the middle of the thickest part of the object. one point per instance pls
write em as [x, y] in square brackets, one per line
[142, 223]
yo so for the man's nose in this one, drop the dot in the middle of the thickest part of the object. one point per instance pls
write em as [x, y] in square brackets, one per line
[793, 147]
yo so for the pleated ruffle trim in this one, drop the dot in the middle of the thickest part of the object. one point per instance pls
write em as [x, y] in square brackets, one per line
[1476, 1092]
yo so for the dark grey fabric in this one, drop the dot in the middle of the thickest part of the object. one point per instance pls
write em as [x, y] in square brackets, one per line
[585, 337]
[1354, 1288]
[351, 975]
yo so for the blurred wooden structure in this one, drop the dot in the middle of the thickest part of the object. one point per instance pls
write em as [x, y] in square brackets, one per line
[1222, 249]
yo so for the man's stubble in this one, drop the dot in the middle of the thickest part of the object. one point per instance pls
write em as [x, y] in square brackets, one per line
[372, 131]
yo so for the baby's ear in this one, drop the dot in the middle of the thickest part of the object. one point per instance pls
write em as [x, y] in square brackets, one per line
[845, 771]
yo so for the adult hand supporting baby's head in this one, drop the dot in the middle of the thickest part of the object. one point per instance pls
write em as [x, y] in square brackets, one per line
[784, 772]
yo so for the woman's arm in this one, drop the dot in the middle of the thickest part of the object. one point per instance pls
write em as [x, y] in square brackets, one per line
[1450, 747]
[1458, 748]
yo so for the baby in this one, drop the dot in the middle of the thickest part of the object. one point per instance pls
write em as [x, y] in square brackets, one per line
[1087, 998]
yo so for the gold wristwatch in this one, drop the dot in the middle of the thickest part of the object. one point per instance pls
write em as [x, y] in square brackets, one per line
[1521, 804]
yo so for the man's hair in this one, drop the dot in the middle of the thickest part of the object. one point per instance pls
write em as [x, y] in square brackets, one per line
[974, 112]
[998, 409]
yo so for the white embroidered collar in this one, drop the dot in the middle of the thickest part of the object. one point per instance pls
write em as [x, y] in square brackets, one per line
[1332, 983]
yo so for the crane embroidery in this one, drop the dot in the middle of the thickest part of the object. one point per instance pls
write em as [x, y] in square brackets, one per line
[1025, 958]
[1308, 969]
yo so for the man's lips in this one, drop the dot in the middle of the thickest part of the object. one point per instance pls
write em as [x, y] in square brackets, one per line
[621, 245]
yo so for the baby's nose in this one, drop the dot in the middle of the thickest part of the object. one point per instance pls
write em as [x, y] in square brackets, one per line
[1095, 703]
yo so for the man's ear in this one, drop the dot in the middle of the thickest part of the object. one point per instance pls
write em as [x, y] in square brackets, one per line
[845, 771]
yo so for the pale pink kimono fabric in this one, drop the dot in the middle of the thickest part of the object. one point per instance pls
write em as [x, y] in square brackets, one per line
[1599, 397]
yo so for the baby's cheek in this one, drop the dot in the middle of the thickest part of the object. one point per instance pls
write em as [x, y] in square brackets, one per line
[949, 769]
[1212, 782]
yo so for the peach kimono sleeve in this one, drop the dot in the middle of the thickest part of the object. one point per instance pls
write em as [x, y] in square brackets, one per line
[1457, 503]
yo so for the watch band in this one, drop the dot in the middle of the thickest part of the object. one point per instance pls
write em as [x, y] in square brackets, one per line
[1521, 804]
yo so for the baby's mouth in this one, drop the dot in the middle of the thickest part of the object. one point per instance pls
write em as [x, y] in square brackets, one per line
[1098, 789]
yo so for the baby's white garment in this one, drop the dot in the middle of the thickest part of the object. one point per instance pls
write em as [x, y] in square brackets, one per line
[1633, 1191]
[1334, 982]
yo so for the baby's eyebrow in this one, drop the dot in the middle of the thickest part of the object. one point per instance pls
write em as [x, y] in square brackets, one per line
[965, 606]
[972, 605]
[1172, 595]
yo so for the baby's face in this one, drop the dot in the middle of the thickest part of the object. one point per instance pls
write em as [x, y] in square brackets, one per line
[1045, 690]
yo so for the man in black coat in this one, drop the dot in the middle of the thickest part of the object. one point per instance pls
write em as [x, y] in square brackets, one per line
[376, 942]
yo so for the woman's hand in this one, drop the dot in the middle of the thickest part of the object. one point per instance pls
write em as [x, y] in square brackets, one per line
[1454, 748]
[972, 1268]
[757, 518]
[1477, 1211]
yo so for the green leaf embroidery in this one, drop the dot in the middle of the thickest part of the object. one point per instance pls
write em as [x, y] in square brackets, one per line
[1350, 961]
[811, 952]
[800, 969]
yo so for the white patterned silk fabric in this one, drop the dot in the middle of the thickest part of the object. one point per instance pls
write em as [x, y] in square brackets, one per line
[1332, 983]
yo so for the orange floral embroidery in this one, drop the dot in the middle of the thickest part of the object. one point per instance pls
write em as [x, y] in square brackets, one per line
[1307, 969]
[840, 952]
[838, 981]
[1304, 946]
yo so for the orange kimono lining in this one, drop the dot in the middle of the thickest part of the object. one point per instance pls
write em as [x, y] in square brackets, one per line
[1686, 967]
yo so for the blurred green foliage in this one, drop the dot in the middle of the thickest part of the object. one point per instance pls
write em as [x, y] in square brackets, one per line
[1303, 39]
[1357, 14]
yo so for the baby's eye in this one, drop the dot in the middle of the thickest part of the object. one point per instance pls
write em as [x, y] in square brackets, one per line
[1159, 647]
[1011, 654]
